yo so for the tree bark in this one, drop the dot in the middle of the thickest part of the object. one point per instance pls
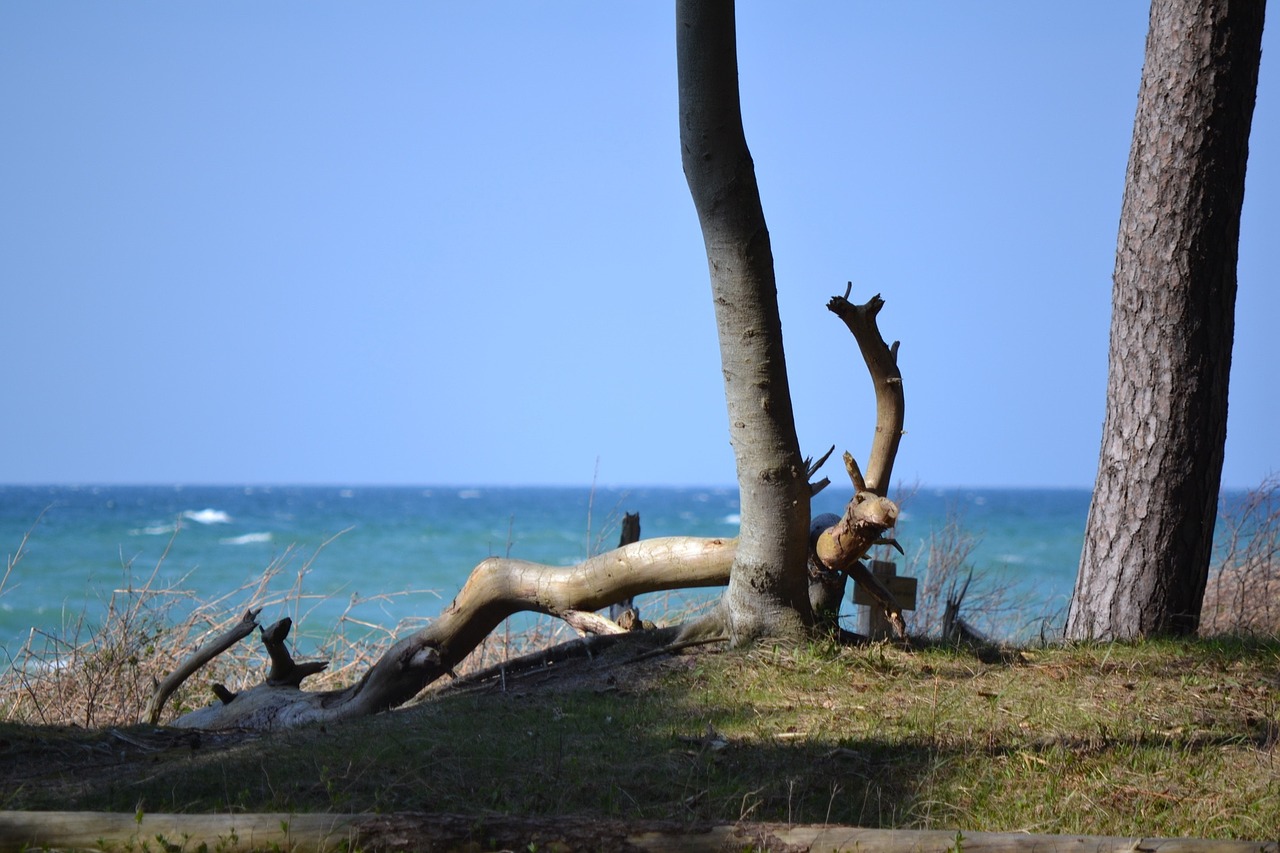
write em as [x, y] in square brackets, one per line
[768, 586]
[1150, 529]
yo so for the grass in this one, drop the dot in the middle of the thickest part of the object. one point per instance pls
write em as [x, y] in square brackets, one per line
[1157, 738]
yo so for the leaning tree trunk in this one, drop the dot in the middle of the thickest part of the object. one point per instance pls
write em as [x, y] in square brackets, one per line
[1150, 529]
[768, 586]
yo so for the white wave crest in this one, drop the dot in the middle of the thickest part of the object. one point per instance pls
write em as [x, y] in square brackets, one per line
[732, 518]
[207, 516]
[153, 530]
[246, 539]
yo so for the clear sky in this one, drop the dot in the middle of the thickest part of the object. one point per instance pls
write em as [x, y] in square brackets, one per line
[451, 243]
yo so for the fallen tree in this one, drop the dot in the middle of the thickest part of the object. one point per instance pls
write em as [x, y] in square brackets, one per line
[501, 587]
[20, 831]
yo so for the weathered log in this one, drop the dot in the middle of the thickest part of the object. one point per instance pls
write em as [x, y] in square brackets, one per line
[658, 641]
[325, 832]
[496, 589]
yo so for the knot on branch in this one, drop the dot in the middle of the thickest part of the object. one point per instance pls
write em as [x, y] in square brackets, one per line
[427, 656]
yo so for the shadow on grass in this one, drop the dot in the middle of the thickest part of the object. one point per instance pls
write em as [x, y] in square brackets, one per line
[1108, 740]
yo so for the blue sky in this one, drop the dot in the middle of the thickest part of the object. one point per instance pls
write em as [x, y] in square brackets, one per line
[434, 243]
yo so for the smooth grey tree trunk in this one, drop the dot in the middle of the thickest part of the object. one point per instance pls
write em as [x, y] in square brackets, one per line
[768, 586]
[1149, 535]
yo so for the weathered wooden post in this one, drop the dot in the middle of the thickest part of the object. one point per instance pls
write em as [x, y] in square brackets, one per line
[874, 623]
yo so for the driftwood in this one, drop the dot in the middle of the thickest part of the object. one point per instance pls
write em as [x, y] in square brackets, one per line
[496, 589]
[841, 546]
[203, 655]
[325, 832]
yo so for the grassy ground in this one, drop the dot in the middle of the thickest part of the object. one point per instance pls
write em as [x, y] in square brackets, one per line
[1161, 738]
[1158, 738]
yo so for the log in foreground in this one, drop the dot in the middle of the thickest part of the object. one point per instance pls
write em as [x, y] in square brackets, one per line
[496, 589]
[326, 832]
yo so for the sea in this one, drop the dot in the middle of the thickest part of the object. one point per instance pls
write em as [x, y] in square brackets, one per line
[392, 557]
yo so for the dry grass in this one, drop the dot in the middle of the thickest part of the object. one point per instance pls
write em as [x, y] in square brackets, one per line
[102, 672]
[1243, 592]
[986, 603]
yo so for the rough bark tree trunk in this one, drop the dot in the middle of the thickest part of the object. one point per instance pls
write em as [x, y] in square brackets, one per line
[768, 584]
[1150, 528]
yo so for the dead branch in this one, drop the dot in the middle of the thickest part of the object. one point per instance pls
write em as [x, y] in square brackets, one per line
[202, 656]
[496, 589]
[284, 670]
[630, 534]
[882, 362]
[870, 513]
[587, 622]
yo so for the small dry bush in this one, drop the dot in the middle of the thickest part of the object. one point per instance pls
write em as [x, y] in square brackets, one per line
[981, 597]
[97, 673]
[1242, 596]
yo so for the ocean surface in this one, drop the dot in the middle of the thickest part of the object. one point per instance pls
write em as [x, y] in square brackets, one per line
[336, 545]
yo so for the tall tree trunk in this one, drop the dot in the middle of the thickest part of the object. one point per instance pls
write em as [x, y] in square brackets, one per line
[1150, 530]
[768, 587]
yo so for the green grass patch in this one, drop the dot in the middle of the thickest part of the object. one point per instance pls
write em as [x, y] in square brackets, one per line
[1158, 738]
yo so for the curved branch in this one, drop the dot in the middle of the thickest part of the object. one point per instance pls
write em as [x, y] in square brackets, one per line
[841, 546]
[882, 362]
[202, 656]
[496, 589]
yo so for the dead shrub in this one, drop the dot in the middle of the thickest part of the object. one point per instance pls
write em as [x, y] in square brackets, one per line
[96, 673]
[1242, 595]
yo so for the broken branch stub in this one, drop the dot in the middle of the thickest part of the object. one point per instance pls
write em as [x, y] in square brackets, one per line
[284, 669]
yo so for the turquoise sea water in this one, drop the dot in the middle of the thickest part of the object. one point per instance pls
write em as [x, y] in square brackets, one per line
[85, 542]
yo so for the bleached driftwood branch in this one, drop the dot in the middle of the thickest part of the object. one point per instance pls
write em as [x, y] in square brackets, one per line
[496, 589]
[199, 658]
